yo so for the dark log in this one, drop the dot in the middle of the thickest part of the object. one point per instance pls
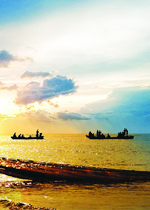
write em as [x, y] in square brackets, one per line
[46, 172]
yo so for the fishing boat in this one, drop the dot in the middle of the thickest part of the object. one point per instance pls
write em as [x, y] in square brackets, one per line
[21, 136]
[100, 135]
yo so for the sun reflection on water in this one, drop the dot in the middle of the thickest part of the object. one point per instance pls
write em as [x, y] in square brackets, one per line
[78, 150]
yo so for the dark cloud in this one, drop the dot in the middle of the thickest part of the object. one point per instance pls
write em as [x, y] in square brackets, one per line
[72, 116]
[35, 74]
[54, 87]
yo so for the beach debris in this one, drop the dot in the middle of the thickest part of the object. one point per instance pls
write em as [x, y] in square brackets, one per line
[8, 204]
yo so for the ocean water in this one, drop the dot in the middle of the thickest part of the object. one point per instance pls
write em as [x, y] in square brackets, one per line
[76, 149]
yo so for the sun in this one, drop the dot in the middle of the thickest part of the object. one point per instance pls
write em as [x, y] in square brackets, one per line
[8, 107]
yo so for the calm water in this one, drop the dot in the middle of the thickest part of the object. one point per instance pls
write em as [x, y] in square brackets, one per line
[78, 150]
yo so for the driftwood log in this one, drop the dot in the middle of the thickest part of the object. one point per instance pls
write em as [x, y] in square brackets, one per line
[46, 172]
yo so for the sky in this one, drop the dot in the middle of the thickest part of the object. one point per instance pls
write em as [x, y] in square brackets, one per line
[74, 66]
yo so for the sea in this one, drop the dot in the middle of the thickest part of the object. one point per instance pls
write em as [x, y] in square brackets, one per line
[76, 149]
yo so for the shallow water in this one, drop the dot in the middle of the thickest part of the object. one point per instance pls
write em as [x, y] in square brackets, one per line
[78, 150]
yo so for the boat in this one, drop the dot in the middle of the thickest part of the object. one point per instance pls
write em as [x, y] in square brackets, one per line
[100, 135]
[21, 136]
[48, 172]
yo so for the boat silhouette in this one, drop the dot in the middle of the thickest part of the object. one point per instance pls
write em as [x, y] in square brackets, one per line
[21, 136]
[100, 135]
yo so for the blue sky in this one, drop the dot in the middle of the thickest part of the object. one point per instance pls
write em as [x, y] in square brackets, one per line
[74, 66]
[17, 11]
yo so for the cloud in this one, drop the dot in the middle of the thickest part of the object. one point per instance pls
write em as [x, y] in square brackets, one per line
[38, 115]
[30, 121]
[51, 88]
[10, 88]
[53, 104]
[35, 74]
[72, 116]
[5, 58]
[13, 87]
[4, 117]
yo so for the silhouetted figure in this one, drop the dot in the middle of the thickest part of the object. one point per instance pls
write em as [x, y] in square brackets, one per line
[125, 132]
[14, 135]
[108, 136]
[102, 136]
[91, 134]
[97, 133]
[37, 133]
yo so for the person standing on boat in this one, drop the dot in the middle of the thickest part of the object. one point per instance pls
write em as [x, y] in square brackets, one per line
[37, 133]
[14, 135]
